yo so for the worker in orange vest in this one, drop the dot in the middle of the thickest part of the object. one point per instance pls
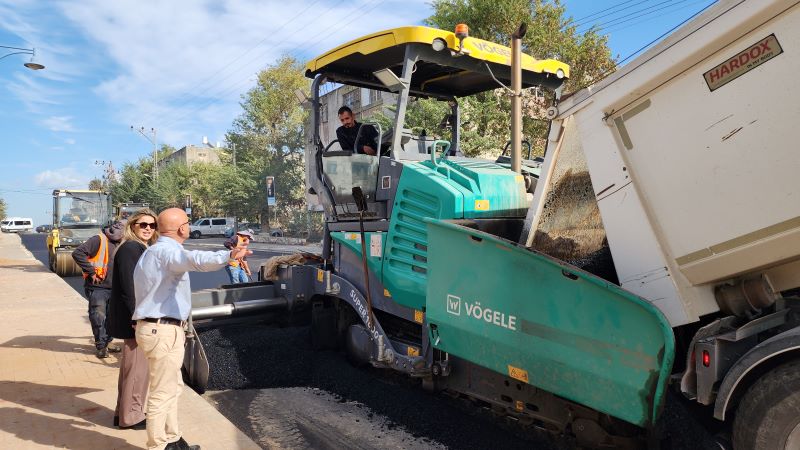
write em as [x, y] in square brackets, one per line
[96, 257]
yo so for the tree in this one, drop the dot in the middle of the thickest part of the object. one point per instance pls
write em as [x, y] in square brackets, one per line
[96, 184]
[269, 138]
[3, 209]
[551, 34]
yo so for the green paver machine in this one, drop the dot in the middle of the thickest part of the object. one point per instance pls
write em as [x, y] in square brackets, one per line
[77, 216]
[544, 343]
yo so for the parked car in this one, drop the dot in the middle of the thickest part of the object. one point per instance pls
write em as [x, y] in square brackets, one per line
[255, 228]
[44, 228]
[207, 226]
[16, 225]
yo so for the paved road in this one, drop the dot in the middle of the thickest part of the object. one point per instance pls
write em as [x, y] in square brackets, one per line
[37, 244]
[270, 382]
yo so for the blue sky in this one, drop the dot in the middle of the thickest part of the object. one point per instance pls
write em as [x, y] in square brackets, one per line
[181, 67]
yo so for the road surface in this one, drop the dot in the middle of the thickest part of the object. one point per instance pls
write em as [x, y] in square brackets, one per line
[270, 382]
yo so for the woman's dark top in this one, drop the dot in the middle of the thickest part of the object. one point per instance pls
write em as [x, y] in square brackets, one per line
[123, 299]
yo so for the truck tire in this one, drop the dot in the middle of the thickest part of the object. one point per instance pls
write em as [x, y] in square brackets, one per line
[195, 235]
[767, 418]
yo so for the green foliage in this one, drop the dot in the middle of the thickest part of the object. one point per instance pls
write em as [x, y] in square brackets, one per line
[269, 138]
[96, 184]
[3, 209]
[485, 117]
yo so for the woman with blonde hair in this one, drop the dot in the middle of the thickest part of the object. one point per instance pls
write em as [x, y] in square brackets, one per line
[140, 232]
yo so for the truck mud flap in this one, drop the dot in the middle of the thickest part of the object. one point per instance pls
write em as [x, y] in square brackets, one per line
[546, 323]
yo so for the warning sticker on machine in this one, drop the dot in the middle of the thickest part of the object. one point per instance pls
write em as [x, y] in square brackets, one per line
[745, 61]
[517, 373]
[375, 247]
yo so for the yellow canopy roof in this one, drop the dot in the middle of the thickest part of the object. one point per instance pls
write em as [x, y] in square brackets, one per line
[451, 75]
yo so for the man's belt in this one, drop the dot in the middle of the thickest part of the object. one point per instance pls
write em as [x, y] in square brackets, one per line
[167, 320]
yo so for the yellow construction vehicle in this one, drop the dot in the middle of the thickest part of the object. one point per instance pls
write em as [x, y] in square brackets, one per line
[77, 216]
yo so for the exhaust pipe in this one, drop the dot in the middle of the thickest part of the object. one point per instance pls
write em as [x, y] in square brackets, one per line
[516, 97]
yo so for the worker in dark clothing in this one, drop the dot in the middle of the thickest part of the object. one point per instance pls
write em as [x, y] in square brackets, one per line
[96, 258]
[346, 134]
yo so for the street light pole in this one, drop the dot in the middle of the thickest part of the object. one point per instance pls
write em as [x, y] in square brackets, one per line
[23, 51]
[155, 147]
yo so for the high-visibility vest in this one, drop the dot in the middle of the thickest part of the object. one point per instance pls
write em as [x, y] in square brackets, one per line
[100, 259]
[235, 262]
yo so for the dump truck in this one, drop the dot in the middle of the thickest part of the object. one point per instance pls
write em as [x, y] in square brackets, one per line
[673, 180]
[656, 248]
[77, 216]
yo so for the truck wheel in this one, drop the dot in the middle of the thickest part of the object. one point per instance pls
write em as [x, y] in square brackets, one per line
[767, 418]
[195, 235]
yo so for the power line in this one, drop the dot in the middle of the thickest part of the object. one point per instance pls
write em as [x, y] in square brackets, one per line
[663, 34]
[618, 21]
[614, 28]
[583, 21]
[611, 20]
[240, 84]
[234, 87]
[602, 10]
[191, 97]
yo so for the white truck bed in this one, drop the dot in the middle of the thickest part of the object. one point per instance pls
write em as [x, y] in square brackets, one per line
[692, 150]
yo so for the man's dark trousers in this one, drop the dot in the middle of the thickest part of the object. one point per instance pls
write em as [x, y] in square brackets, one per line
[98, 306]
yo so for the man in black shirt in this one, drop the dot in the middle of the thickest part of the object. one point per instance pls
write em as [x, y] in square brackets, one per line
[346, 134]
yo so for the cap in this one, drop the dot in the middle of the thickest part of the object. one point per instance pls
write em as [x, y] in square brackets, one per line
[248, 233]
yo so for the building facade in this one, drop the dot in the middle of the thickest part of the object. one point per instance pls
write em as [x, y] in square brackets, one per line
[364, 103]
[191, 154]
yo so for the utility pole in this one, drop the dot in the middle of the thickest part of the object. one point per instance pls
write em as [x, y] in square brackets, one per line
[153, 141]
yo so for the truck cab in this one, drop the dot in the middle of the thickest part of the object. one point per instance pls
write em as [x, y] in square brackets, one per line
[77, 216]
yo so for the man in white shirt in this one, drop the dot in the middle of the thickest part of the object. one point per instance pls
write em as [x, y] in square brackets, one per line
[163, 304]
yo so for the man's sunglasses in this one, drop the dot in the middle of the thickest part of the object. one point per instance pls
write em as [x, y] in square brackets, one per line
[151, 225]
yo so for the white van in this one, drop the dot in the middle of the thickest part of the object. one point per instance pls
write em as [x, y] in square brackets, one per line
[16, 224]
[210, 226]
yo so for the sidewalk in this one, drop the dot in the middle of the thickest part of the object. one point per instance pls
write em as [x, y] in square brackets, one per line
[53, 391]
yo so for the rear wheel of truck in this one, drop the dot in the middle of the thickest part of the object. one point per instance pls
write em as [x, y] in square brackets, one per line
[767, 418]
[195, 235]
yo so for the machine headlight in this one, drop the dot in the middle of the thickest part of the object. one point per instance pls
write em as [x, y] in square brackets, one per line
[67, 239]
[439, 44]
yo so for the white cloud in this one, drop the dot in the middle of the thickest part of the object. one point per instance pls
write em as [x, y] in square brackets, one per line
[66, 177]
[183, 65]
[70, 141]
[33, 93]
[59, 123]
